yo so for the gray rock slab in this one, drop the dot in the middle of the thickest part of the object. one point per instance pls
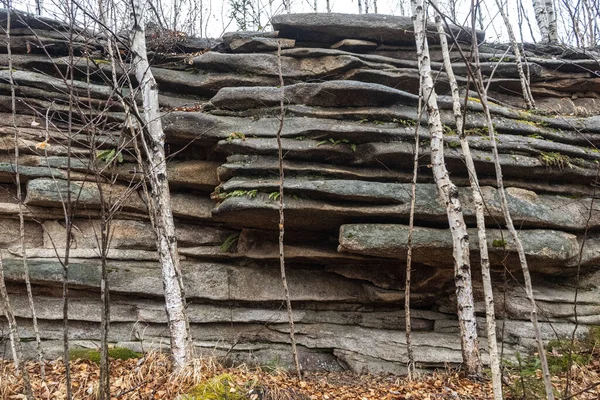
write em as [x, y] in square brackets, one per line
[546, 250]
[326, 94]
[333, 27]
[206, 280]
[313, 209]
[259, 44]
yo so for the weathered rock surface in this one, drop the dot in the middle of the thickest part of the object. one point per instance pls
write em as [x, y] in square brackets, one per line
[350, 87]
[332, 27]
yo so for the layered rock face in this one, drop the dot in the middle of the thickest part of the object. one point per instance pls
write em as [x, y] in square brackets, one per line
[351, 86]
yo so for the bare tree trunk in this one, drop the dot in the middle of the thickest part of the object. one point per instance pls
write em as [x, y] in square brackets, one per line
[479, 213]
[527, 95]
[449, 195]
[286, 289]
[509, 223]
[328, 5]
[411, 224]
[153, 143]
[104, 383]
[36, 330]
[13, 334]
[360, 7]
[375, 6]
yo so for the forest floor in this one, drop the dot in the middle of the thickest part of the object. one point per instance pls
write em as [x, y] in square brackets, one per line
[150, 377]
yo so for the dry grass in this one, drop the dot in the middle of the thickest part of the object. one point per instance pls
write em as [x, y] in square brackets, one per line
[151, 378]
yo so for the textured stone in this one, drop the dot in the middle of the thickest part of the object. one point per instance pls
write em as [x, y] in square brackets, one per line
[546, 250]
[53, 192]
[338, 202]
[211, 281]
[326, 94]
[256, 44]
[354, 45]
[332, 27]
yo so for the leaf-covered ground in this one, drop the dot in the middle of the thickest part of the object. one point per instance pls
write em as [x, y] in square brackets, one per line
[150, 378]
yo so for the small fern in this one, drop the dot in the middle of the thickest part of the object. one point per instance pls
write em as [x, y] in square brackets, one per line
[109, 155]
[229, 242]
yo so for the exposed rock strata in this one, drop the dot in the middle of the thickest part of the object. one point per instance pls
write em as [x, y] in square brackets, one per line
[348, 138]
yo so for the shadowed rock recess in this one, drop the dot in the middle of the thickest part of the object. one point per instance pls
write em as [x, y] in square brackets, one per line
[348, 137]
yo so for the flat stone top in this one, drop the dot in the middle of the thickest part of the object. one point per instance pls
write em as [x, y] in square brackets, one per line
[332, 27]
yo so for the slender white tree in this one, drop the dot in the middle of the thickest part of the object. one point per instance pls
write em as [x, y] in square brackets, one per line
[449, 194]
[479, 213]
[153, 147]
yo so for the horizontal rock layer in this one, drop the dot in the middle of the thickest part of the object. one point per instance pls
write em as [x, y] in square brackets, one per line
[348, 138]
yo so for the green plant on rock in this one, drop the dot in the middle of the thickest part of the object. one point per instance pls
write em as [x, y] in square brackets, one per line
[217, 195]
[499, 243]
[405, 122]
[235, 135]
[229, 242]
[274, 196]
[555, 160]
[535, 136]
[477, 131]
[110, 155]
[117, 353]
[453, 144]
[335, 142]
[449, 131]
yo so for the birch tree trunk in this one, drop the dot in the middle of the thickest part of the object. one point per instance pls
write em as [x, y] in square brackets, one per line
[509, 223]
[159, 203]
[527, 95]
[545, 16]
[541, 18]
[449, 195]
[479, 213]
[552, 28]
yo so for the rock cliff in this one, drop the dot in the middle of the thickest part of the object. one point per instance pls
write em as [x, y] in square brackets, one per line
[351, 87]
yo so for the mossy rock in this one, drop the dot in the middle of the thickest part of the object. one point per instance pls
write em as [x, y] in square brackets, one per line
[117, 353]
[221, 387]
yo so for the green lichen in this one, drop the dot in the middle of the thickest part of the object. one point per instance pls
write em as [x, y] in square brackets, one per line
[117, 353]
[221, 387]
[499, 243]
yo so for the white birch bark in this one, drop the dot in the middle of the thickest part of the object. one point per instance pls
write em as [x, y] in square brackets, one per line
[153, 143]
[513, 232]
[545, 16]
[526, 89]
[449, 195]
[552, 27]
[479, 213]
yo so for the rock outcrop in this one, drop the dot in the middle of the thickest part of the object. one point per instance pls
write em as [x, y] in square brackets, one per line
[351, 85]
